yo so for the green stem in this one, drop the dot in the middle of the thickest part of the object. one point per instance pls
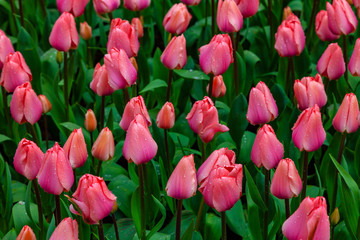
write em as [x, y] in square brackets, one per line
[5, 103]
[212, 17]
[98, 168]
[305, 174]
[101, 230]
[169, 85]
[40, 211]
[43, 7]
[111, 17]
[102, 113]
[33, 133]
[13, 13]
[22, 20]
[287, 208]
[312, 19]
[142, 201]
[115, 226]
[88, 52]
[46, 132]
[126, 96]
[236, 80]
[92, 157]
[57, 210]
[199, 214]
[266, 198]
[211, 83]
[203, 148]
[66, 91]
[271, 24]
[178, 220]
[168, 165]
[73, 187]
[346, 60]
[223, 225]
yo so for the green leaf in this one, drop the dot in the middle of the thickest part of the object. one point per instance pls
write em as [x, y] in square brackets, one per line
[135, 210]
[350, 209]
[157, 83]
[235, 219]
[254, 192]
[28, 202]
[11, 235]
[162, 220]
[237, 119]
[21, 219]
[192, 74]
[212, 227]
[4, 138]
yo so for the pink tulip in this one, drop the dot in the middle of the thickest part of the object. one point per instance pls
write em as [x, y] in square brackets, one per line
[219, 88]
[75, 149]
[105, 6]
[139, 146]
[177, 19]
[262, 106]
[135, 106]
[345, 119]
[166, 116]
[100, 83]
[85, 31]
[342, 19]
[104, 146]
[310, 91]
[216, 56]
[25, 105]
[322, 27]
[182, 183]
[45, 104]
[357, 6]
[174, 55]
[191, 2]
[64, 35]
[308, 131]
[5, 48]
[309, 221]
[93, 198]
[90, 121]
[137, 25]
[229, 18]
[67, 229]
[56, 174]
[15, 71]
[331, 64]
[203, 120]
[286, 182]
[75, 7]
[136, 5]
[26, 233]
[290, 37]
[354, 64]
[248, 8]
[121, 72]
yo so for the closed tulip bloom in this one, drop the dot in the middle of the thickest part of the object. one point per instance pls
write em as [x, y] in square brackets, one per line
[45, 104]
[182, 183]
[287, 12]
[136, 5]
[64, 35]
[290, 37]
[100, 83]
[121, 72]
[90, 121]
[309, 221]
[75, 7]
[139, 146]
[216, 56]
[357, 6]
[177, 19]
[15, 72]
[26, 233]
[310, 91]
[331, 64]
[137, 25]
[248, 8]
[345, 119]
[229, 18]
[25, 105]
[203, 120]
[286, 182]
[28, 159]
[85, 31]
[135, 106]
[56, 174]
[5, 48]
[104, 146]
[191, 2]
[75, 149]
[166, 116]
[308, 132]
[322, 27]
[93, 198]
[67, 229]
[174, 55]
[354, 64]
[267, 150]
[105, 6]
[342, 19]
[219, 88]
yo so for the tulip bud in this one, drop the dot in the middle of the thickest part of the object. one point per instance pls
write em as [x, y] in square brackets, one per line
[5, 48]
[67, 229]
[136, 5]
[137, 25]
[134, 63]
[85, 31]
[308, 131]
[354, 64]
[45, 104]
[105, 6]
[287, 12]
[247, 8]
[90, 121]
[75, 7]
[229, 18]
[342, 19]
[104, 146]
[59, 57]
[331, 64]
[174, 55]
[75, 149]
[335, 217]
[177, 19]
[322, 27]
[345, 119]
[166, 116]
[357, 6]
[26, 233]
[135, 106]
[100, 83]
[115, 208]
[191, 2]
[219, 88]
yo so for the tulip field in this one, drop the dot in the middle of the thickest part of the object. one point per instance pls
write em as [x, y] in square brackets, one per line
[179, 119]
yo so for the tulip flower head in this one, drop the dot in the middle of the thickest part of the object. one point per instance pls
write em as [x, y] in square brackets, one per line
[135, 106]
[136, 5]
[45, 104]
[166, 116]
[219, 88]
[104, 146]
[75, 149]
[90, 121]
[354, 64]
[177, 19]
[322, 27]
[100, 83]
[191, 2]
[174, 55]
[331, 64]
[138, 26]
[26, 233]
[229, 18]
[5, 48]
[75, 7]
[67, 229]
[85, 31]
[247, 8]
[341, 18]
[357, 6]
[105, 6]
[345, 119]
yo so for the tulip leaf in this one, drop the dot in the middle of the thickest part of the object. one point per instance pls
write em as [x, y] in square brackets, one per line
[157, 83]
[11, 235]
[21, 218]
[162, 220]
[4, 138]
[212, 227]
[192, 74]
[350, 210]
[28, 202]
[235, 220]
[253, 190]
[135, 210]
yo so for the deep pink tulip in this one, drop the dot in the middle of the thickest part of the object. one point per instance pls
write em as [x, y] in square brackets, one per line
[345, 119]
[64, 35]
[85, 30]
[25, 105]
[219, 88]
[76, 7]
[174, 55]
[286, 182]
[331, 64]
[354, 64]
[248, 8]
[100, 83]
[308, 131]
[229, 18]
[135, 106]
[75, 149]
[203, 120]
[322, 27]
[104, 146]
[166, 116]
[138, 26]
[216, 56]
[93, 198]
[56, 174]
[136, 5]
[28, 159]
[121, 72]
[309, 221]
[177, 19]
[341, 18]
[262, 106]
[67, 229]
[310, 91]
[105, 6]
[15, 72]
[90, 121]
[191, 2]
[5, 48]
[290, 37]
[182, 183]
[26, 233]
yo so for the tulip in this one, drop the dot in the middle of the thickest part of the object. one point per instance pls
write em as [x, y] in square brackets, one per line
[354, 64]
[135, 106]
[45, 104]
[342, 19]
[191, 2]
[247, 8]
[26, 233]
[90, 121]
[331, 64]
[15, 71]
[137, 25]
[308, 131]
[322, 27]
[121, 72]
[203, 120]
[134, 63]
[357, 6]
[105, 6]
[92, 199]
[123, 36]
[182, 183]
[25, 105]
[28, 159]
[219, 88]
[290, 37]
[75, 149]
[309, 221]
[166, 116]
[56, 174]
[345, 119]
[104, 146]
[5, 48]
[335, 217]
[310, 91]
[287, 12]
[75, 7]
[67, 229]
[177, 19]
[229, 18]
[100, 83]
[216, 56]
[174, 55]
[85, 31]
[136, 5]
[64, 35]
[139, 146]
